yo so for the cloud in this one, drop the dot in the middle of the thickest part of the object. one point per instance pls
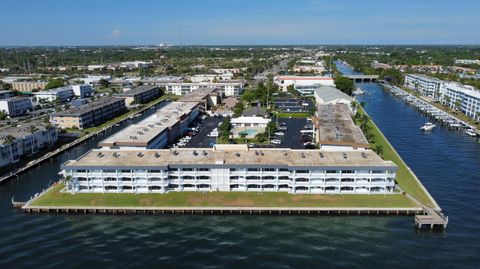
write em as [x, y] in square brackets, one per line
[115, 33]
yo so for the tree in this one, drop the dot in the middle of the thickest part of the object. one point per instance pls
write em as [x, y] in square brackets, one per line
[378, 149]
[9, 140]
[238, 109]
[3, 115]
[243, 135]
[344, 84]
[104, 83]
[32, 130]
[54, 83]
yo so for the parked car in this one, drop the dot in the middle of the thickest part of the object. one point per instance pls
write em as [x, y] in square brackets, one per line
[276, 141]
[279, 133]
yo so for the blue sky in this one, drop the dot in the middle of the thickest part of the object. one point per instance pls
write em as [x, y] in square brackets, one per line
[238, 22]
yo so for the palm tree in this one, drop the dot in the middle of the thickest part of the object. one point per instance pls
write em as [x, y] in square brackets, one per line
[32, 130]
[68, 183]
[9, 139]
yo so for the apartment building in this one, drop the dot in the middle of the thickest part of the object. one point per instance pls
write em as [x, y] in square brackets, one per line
[231, 168]
[89, 115]
[462, 97]
[63, 94]
[28, 86]
[140, 95]
[25, 139]
[425, 85]
[16, 106]
[226, 88]
[6, 94]
[82, 91]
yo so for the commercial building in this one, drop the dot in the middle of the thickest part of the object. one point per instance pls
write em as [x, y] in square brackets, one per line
[331, 95]
[140, 95]
[461, 97]
[284, 81]
[308, 68]
[425, 85]
[82, 91]
[16, 106]
[6, 94]
[25, 139]
[158, 130]
[231, 168]
[28, 86]
[63, 94]
[89, 115]
[231, 88]
[335, 129]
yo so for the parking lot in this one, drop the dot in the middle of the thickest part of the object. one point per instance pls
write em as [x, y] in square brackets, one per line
[292, 137]
[201, 139]
[297, 105]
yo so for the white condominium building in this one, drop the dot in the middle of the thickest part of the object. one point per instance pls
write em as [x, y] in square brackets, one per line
[461, 97]
[22, 140]
[425, 85]
[63, 94]
[230, 168]
[232, 88]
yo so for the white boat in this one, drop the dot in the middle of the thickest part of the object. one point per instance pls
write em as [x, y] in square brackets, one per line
[470, 132]
[427, 127]
[358, 91]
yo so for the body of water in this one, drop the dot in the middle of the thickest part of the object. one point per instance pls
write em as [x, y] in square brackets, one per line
[447, 162]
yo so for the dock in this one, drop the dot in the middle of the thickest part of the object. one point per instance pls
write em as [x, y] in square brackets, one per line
[435, 114]
[431, 219]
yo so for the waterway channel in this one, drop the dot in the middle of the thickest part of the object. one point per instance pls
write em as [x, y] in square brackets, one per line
[447, 162]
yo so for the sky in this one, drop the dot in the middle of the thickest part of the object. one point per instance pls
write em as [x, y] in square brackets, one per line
[238, 22]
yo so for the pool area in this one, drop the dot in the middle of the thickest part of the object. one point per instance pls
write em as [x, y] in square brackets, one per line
[249, 132]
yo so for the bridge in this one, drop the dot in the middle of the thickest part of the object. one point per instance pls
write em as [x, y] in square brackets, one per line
[363, 78]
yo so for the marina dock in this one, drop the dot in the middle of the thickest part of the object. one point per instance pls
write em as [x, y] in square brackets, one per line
[435, 114]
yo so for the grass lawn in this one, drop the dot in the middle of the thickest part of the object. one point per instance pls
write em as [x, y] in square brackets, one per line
[220, 199]
[405, 178]
[293, 115]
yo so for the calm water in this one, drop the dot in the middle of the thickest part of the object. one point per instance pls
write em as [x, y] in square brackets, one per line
[447, 162]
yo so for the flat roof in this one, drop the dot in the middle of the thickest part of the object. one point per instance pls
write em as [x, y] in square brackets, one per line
[137, 90]
[304, 78]
[335, 126]
[21, 130]
[330, 93]
[142, 133]
[225, 156]
[80, 110]
[197, 95]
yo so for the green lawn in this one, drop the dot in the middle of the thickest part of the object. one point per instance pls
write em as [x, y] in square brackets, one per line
[405, 178]
[220, 199]
[293, 115]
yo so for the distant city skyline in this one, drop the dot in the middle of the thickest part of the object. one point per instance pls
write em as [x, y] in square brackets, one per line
[214, 22]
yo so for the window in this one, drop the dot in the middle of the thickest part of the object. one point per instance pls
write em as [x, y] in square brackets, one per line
[203, 177]
[348, 172]
[283, 170]
[126, 171]
[154, 171]
[173, 169]
[269, 169]
[253, 169]
[81, 171]
[203, 169]
[109, 171]
[187, 169]
[302, 171]
[331, 171]
[233, 169]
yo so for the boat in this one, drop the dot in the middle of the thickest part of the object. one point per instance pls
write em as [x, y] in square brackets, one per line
[427, 126]
[470, 132]
[358, 91]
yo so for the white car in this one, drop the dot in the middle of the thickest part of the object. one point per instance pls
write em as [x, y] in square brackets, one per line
[279, 133]
[276, 141]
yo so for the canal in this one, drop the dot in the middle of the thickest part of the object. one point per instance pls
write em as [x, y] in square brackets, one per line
[448, 163]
